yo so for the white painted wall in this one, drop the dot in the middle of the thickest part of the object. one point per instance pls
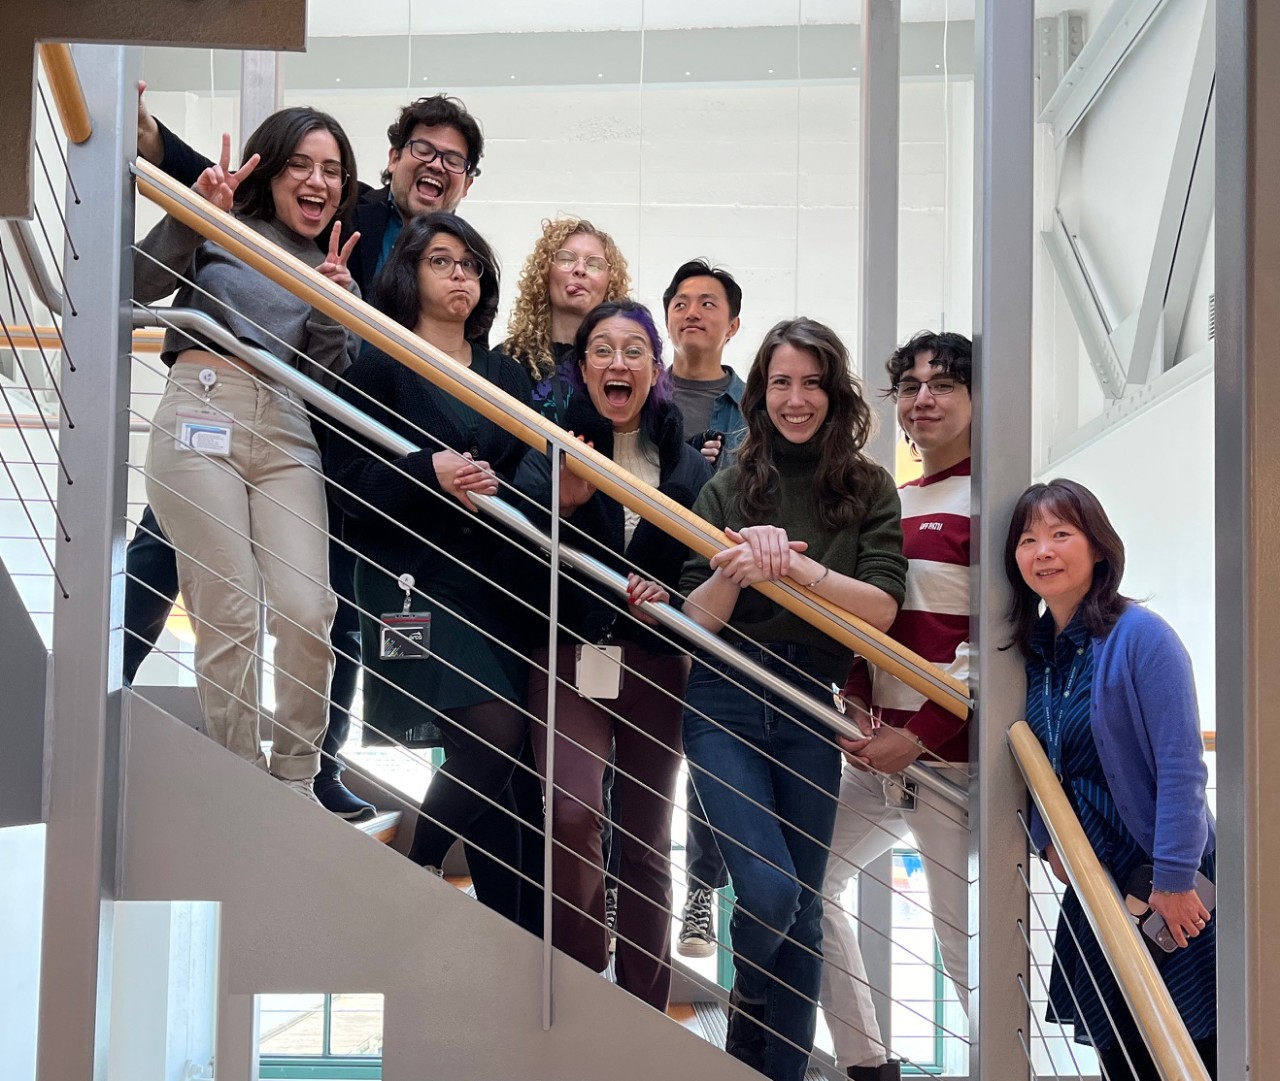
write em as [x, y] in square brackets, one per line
[21, 914]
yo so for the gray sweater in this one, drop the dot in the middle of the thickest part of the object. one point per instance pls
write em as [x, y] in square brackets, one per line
[253, 307]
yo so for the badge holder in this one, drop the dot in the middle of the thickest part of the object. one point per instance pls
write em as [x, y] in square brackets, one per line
[405, 635]
[205, 430]
[599, 672]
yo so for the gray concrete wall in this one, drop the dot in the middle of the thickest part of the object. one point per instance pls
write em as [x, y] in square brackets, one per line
[310, 904]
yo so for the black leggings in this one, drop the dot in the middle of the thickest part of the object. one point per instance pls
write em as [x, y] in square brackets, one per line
[480, 744]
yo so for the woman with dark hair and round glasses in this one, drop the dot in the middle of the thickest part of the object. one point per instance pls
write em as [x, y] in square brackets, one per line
[623, 406]
[233, 469]
[803, 502]
[1111, 695]
[425, 555]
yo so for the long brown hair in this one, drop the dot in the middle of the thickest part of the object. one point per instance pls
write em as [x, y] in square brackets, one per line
[843, 474]
[1074, 504]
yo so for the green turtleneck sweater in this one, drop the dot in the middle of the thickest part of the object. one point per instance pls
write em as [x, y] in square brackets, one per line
[870, 551]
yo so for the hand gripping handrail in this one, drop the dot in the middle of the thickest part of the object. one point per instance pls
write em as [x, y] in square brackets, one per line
[358, 421]
[1166, 1037]
[534, 430]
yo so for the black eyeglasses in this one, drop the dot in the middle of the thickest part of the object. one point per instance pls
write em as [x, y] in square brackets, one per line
[939, 386]
[442, 266]
[428, 152]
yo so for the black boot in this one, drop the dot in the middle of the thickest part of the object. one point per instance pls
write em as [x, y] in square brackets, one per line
[745, 1039]
[890, 1071]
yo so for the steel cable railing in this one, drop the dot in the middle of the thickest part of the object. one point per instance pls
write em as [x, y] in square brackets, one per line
[304, 380]
[784, 683]
[473, 391]
[1135, 973]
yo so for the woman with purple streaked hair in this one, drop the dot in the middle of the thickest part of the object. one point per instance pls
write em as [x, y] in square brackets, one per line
[620, 402]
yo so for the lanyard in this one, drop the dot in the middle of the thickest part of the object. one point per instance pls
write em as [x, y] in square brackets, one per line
[1054, 708]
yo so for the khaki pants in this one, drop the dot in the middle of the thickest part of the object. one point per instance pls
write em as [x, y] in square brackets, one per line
[257, 514]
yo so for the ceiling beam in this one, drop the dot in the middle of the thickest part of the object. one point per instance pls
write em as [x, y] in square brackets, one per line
[1107, 48]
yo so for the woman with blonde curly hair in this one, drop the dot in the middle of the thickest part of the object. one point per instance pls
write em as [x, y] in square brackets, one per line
[573, 268]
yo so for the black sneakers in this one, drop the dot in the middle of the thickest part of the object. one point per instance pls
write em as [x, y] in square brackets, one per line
[336, 797]
[697, 939]
[745, 1038]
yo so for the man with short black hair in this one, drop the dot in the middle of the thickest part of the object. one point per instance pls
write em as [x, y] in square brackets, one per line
[929, 379]
[702, 305]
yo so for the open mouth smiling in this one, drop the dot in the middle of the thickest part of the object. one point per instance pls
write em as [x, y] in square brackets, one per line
[617, 393]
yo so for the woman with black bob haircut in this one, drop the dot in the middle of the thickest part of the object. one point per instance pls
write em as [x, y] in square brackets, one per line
[1111, 695]
[413, 515]
[801, 501]
[233, 472]
[623, 406]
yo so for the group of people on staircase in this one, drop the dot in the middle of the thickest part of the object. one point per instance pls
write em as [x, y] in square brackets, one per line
[353, 543]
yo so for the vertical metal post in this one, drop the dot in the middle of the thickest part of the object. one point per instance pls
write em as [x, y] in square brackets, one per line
[82, 752]
[548, 840]
[1003, 190]
[261, 89]
[875, 909]
[1247, 476]
[878, 318]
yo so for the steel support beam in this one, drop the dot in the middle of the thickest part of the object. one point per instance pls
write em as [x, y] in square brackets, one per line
[1107, 48]
[1185, 216]
[82, 755]
[1003, 190]
[878, 319]
[1247, 478]
[261, 89]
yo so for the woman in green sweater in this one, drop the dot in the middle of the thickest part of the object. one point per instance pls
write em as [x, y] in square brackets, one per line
[801, 502]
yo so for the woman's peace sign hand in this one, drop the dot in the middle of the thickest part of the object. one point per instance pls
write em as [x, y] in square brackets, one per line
[334, 266]
[218, 183]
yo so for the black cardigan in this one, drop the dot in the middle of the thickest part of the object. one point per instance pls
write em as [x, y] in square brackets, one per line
[364, 474]
[682, 471]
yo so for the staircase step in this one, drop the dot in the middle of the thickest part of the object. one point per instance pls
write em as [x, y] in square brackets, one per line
[381, 827]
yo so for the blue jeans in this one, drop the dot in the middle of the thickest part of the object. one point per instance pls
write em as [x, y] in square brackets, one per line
[741, 761]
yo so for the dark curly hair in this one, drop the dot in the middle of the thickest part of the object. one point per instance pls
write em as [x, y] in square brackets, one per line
[275, 141]
[843, 475]
[439, 110]
[396, 291]
[952, 355]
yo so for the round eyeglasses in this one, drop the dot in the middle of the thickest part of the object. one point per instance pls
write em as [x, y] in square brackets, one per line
[594, 265]
[633, 356]
[442, 266]
[301, 167]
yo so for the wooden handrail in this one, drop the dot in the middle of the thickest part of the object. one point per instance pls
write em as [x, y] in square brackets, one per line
[64, 81]
[1171, 1047]
[39, 337]
[534, 430]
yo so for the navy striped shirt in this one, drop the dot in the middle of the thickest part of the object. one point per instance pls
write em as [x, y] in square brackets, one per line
[1059, 683]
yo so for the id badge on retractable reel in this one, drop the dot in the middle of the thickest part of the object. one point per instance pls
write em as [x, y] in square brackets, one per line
[405, 635]
[203, 429]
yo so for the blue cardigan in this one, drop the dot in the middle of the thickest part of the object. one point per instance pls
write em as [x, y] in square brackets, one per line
[1147, 730]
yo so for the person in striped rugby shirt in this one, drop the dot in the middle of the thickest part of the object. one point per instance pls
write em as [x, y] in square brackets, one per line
[929, 379]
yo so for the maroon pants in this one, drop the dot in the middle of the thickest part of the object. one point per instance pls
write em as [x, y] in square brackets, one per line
[647, 746]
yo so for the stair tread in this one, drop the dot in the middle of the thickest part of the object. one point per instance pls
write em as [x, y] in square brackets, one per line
[382, 827]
